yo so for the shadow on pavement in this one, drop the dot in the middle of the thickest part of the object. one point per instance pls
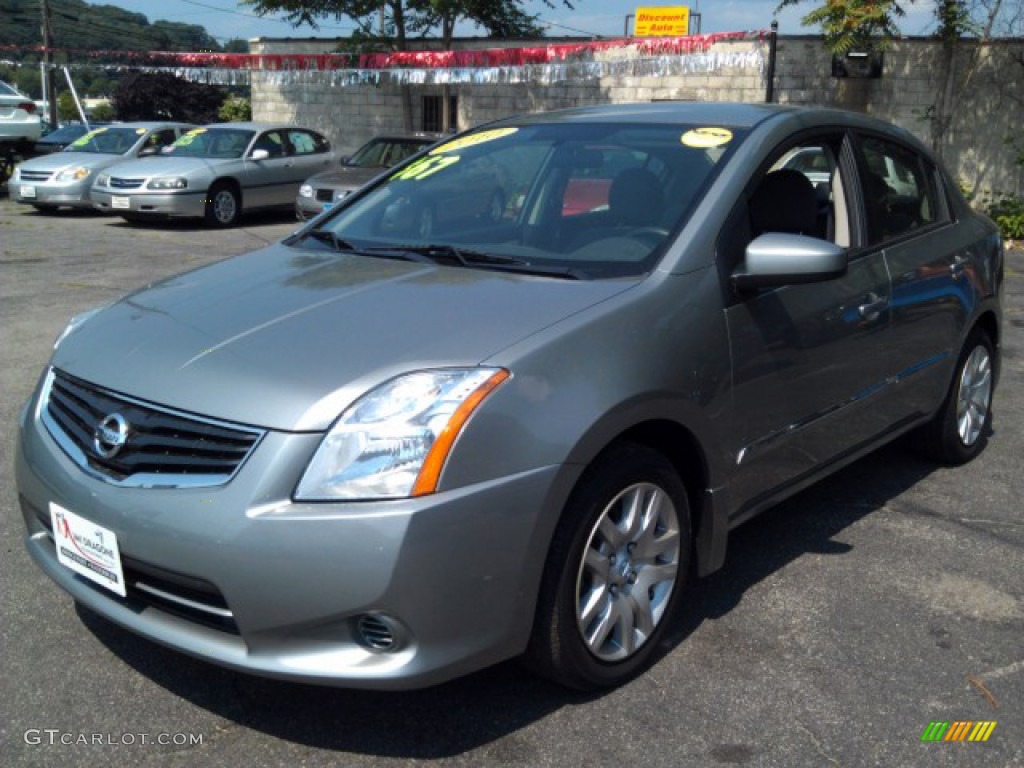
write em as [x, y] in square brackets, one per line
[482, 708]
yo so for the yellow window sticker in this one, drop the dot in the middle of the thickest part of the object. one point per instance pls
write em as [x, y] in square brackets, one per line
[424, 167]
[704, 138]
[194, 131]
[87, 138]
[140, 131]
[476, 138]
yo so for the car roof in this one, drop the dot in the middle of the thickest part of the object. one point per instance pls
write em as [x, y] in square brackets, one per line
[147, 124]
[253, 126]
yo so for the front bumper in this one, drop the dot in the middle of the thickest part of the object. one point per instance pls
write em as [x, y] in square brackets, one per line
[75, 194]
[190, 204]
[456, 573]
[306, 208]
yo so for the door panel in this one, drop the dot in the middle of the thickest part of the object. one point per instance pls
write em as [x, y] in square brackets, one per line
[807, 365]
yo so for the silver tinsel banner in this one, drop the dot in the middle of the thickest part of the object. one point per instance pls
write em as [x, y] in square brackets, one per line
[538, 74]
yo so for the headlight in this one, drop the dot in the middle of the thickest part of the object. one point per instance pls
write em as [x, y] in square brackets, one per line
[75, 323]
[73, 174]
[169, 183]
[306, 190]
[393, 441]
[103, 180]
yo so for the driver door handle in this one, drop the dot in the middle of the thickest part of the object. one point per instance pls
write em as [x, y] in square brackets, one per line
[872, 307]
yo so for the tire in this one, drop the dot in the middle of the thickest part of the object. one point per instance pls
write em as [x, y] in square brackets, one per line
[959, 431]
[612, 581]
[223, 205]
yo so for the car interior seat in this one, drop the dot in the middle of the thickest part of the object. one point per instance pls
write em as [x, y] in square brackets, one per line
[785, 201]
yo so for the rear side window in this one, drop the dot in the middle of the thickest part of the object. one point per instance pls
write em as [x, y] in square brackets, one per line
[899, 190]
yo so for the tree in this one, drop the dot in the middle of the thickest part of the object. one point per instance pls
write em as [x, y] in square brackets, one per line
[235, 109]
[853, 24]
[163, 96]
[66, 107]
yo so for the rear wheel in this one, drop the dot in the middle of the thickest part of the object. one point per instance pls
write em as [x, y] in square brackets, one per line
[615, 571]
[959, 430]
[223, 205]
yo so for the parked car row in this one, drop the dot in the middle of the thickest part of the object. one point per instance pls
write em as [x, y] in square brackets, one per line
[149, 171]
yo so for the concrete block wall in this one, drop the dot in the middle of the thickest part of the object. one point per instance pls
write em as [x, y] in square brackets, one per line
[988, 103]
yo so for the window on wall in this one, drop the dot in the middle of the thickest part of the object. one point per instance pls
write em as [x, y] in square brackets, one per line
[433, 113]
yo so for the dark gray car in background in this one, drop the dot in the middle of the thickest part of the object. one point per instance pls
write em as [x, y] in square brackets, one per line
[382, 454]
[321, 192]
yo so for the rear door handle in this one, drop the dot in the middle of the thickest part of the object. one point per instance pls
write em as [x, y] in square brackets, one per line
[872, 307]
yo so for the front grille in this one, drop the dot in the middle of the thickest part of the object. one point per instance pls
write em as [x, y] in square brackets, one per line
[159, 447]
[324, 195]
[34, 175]
[116, 183]
[190, 598]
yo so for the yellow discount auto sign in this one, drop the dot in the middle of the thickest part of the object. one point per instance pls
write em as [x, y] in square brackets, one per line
[476, 138]
[704, 138]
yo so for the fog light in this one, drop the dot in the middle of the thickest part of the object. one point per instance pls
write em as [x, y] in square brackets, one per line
[377, 632]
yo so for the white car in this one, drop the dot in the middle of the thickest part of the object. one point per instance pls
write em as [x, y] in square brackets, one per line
[20, 126]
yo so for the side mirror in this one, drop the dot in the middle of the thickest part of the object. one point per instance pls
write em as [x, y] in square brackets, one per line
[775, 259]
[259, 154]
[344, 159]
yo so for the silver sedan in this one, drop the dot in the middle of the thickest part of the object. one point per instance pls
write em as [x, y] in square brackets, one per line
[216, 172]
[398, 447]
[63, 179]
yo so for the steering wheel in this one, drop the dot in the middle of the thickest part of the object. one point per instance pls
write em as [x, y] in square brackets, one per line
[651, 236]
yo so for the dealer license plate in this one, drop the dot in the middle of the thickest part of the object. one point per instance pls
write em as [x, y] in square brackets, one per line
[87, 548]
[121, 202]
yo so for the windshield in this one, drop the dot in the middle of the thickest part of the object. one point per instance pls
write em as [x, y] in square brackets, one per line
[107, 141]
[211, 142]
[383, 153]
[593, 200]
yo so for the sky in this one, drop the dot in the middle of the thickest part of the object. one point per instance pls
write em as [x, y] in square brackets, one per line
[225, 19]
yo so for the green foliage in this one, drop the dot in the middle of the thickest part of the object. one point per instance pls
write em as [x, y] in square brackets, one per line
[163, 96]
[1007, 211]
[103, 112]
[77, 24]
[234, 110]
[853, 24]
[405, 18]
[66, 108]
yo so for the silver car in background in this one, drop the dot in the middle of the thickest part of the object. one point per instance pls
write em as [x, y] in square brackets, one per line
[322, 191]
[382, 454]
[216, 172]
[64, 178]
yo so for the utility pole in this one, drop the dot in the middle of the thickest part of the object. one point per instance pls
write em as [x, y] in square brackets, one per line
[49, 82]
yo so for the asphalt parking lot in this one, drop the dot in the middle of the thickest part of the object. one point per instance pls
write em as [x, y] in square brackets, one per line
[845, 621]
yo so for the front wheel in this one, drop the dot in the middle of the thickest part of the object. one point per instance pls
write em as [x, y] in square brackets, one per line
[960, 428]
[223, 206]
[615, 571]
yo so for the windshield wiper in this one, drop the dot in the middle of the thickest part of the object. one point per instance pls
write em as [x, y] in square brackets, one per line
[326, 236]
[465, 257]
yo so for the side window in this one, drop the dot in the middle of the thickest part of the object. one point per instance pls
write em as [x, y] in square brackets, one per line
[803, 193]
[305, 143]
[161, 138]
[272, 141]
[899, 194]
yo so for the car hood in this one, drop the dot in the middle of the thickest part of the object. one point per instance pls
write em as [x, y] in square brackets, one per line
[285, 339]
[166, 166]
[346, 177]
[58, 161]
